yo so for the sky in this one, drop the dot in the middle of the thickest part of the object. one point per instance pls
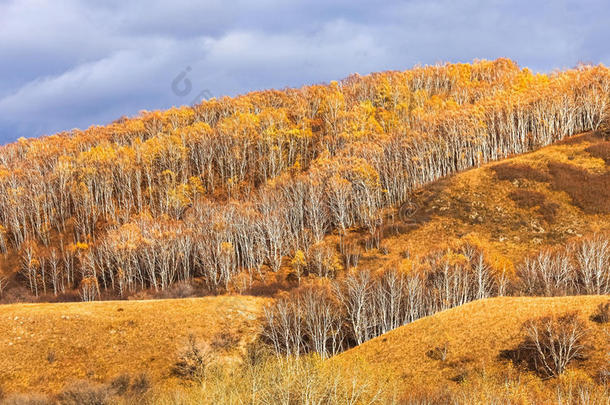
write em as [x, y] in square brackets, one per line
[70, 64]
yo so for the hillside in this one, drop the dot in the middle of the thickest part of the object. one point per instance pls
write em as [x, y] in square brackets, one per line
[230, 191]
[477, 336]
[43, 347]
[360, 206]
[512, 208]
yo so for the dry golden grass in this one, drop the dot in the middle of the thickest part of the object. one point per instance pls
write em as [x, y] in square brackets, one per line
[278, 380]
[45, 346]
[475, 335]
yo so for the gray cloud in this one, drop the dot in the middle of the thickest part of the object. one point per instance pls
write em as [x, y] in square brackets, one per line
[70, 63]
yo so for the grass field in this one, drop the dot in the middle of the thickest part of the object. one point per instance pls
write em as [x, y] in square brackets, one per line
[45, 346]
[476, 335]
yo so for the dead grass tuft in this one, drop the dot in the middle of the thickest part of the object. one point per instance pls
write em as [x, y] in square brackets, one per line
[85, 393]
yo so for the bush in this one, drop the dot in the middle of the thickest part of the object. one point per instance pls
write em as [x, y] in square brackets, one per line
[529, 199]
[552, 343]
[293, 380]
[181, 289]
[120, 384]
[603, 376]
[384, 249]
[603, 313]
[439, 352]
[85, 393]
[548, 211]
[193, 360]
[225, 341]
[141, 384]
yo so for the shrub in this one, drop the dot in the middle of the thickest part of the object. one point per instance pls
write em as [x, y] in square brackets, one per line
[193, 360]
[603, 376]
[181, 289]
[120, 384]
[384, 249]
[225, 340]
[551, 343]
[85, 393]
[529, 199]
[439, 352]
[389, 230]
[295, 380]
[602, 315]
[141, 384]
[257, 352]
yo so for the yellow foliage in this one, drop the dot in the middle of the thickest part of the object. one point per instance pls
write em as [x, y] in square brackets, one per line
[298, 261]
[226, 247]
[81, 246]
[406, 266]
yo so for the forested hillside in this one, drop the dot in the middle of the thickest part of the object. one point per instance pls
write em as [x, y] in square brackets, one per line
[370, 212]
[229, 191]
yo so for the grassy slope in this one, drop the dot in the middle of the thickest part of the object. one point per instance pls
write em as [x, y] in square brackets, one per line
[100, 340]
[476, 204]
[476, 334]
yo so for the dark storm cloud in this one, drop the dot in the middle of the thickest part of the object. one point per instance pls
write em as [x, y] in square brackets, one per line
[69, 63]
